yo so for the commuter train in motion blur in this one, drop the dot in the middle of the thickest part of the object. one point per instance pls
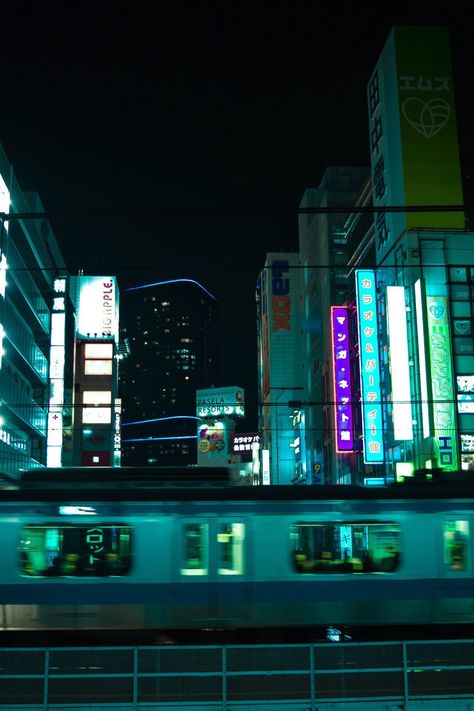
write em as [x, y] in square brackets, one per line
[122, 550]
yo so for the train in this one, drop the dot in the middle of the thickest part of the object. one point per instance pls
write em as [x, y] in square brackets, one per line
[127, 550]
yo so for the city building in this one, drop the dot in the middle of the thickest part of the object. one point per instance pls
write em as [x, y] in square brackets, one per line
[387, 293]
[169, 343]
[280, 367]
[32, 270]
[97, 422]
[324, 255]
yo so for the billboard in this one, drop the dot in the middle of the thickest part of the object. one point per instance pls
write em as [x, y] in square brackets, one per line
[369, 364]
[442, 388]
[220, 402]
[97, 308]
[54, 444]
[399, 363]
[342, 379]
[243, 443]
[413, 133]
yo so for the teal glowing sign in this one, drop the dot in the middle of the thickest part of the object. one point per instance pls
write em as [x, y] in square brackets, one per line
[369, 363]
[442, 388]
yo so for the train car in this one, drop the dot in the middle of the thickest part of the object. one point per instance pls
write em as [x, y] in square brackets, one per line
[114, 552]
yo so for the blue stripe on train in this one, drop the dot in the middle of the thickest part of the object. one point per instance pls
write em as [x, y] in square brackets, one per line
[298, 591]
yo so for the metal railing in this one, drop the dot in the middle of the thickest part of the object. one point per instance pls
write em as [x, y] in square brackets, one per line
[299, 676]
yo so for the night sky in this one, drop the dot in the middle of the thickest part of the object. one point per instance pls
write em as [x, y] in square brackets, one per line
[220, 108]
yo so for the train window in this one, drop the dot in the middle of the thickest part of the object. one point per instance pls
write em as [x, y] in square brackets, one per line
[456, 540]
[230, 540]
[195, 549]
[58, 551]
[346, 547]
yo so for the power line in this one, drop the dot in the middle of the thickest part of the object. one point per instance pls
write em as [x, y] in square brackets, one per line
[226, 211]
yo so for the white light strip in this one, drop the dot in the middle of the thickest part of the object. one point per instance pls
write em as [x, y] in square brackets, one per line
[420, 329]
[265, 466]
[399, 366]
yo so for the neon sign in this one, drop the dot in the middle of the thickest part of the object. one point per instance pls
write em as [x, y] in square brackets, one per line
[369, 366]
[342, 379]
[444, 411]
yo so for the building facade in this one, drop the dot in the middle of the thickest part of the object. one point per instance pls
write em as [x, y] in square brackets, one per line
[169, 339]
[30, 266]
[280, 367]
[97, 422]
[324, 254]
[387, 294]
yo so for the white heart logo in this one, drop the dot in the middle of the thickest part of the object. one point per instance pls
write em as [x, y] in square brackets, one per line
[426, 117]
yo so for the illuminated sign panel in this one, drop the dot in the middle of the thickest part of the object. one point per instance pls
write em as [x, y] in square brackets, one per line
[96, 414]
[117, 431]
[422, 358]
[281, 303]
[399, 367]
[342, 379]
[465, 393]
[219, 402]
[265, 467]
[97, 308]
[444, 411]
[3, 274]
[413, 133]
[244, 442]
[369, 366]
[4, 200]
[54, 445]
[467, 443]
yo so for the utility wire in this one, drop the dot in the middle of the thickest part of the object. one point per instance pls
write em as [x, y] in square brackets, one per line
[222, 212]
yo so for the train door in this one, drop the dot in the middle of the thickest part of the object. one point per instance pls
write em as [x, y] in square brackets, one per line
[212, 572]
[456, 599]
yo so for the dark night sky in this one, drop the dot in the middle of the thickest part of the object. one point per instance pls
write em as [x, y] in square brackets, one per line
[211, 106]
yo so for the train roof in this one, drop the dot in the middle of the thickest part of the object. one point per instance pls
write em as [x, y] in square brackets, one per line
[207, 484]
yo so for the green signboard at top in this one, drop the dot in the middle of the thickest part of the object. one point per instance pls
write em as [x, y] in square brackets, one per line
[413, 133]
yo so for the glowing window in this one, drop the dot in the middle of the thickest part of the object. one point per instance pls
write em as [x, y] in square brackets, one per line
[96, 397]
[194, 560]
[97, 414]
[230, 541]
[53, 551]
[456, 545]
[352, 547]
[98, 367]
[99, 350]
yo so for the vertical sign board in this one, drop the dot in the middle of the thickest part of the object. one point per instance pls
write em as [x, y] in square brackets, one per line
[413, 133]
[5, 208]
[342, 379]
[56, 375]
[444, 408]
[369, 366]
[399, 363]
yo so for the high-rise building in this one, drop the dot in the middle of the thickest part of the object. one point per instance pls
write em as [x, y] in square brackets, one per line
[169, 343]
[36, 389]
[324, 253]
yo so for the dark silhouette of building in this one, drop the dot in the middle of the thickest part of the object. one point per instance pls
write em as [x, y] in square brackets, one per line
[169, 346]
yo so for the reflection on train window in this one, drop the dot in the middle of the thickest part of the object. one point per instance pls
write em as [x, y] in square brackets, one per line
[194, 550]
[357, 547]
[230, 540]
[456, 539]
[58, 551]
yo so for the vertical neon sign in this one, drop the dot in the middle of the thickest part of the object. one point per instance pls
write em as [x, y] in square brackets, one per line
[342, 379]
[399, 367]
[369, 366]
[444, 410]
